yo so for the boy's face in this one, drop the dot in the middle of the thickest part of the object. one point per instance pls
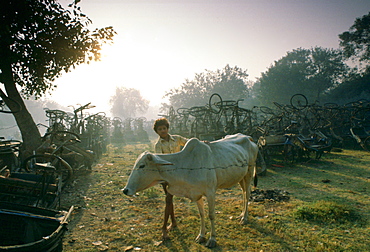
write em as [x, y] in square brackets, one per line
[162, 131]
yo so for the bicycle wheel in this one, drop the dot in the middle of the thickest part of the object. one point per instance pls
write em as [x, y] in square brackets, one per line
[197, 111]
[183, 111]
[299, 101]
[171, 113]
[267, 110]
[215, 103]
[278, 105]
[366, 144]
[60, 164]
[62, 136]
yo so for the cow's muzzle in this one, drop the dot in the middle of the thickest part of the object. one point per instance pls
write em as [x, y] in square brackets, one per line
[125, 191]
[128, 192]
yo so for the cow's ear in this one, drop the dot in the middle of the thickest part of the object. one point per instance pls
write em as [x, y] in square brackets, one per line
[157, 160]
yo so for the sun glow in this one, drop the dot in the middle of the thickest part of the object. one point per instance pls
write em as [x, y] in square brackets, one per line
[149, 67]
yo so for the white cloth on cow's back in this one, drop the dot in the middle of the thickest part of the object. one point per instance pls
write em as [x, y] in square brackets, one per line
[172, 146]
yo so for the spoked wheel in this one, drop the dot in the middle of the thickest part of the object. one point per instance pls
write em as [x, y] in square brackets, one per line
[183, 111]
[366, 144]
[349, 143]
[61, 166]
[215, 103]
[171, 113]
[299, 101]
[62, 136]
[267, 110]
[197, 111]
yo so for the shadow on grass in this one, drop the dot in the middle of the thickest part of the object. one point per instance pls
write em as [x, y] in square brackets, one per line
[71, 196]
[322, 180]
[272, 236]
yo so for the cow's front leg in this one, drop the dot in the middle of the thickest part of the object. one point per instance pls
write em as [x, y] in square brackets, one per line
[211, 209]
[201, 237]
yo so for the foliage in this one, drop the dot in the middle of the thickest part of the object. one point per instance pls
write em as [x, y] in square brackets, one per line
[355, 88]
[356, 41]
[39, 40]
[127, 102]
[42, 39]
[308, 71]
[230, 82]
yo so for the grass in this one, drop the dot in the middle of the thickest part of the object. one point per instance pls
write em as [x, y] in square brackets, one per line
[328, 210]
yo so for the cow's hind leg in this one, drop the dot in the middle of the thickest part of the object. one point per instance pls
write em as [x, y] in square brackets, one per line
[243, 215]
[245, 184]
[202, 234]
[211, 213]
[167, 213]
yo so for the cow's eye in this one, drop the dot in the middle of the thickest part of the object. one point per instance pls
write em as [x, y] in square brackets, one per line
[142, 166]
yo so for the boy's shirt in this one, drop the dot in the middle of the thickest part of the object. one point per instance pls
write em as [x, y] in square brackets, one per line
[172, 146]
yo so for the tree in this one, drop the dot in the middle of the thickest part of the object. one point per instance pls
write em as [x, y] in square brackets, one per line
[307, 71]
[127, 102]
[352, 89]
[230, 82]
[39, 40]
[356, 41]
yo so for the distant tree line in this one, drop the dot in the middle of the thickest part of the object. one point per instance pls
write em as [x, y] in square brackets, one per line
[318, 73]
[127, 103]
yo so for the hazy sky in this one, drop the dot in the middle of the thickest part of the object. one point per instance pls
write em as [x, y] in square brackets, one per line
[160, 43]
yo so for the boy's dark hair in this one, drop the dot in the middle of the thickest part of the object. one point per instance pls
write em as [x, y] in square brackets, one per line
[161, 122]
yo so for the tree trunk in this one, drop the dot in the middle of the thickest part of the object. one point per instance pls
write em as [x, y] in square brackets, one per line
[31, 136]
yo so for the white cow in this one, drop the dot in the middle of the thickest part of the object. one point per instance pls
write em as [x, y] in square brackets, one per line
[197, 171]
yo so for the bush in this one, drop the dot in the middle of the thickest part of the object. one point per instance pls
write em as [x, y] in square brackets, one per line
[327, 212]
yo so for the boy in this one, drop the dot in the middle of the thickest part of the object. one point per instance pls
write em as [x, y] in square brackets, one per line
[166, 144]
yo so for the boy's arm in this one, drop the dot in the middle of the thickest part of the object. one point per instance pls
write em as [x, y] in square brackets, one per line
[183, 140]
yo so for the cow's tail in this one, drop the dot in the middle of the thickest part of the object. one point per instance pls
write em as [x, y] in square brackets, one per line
[255, 177]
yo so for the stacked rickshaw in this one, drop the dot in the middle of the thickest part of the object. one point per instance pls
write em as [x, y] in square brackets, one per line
[295, 131]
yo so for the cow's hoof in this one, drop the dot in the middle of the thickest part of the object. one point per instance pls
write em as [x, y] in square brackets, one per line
[166, 238]
[171, 227]
[211, 243]
[200, 239]
[243, 221]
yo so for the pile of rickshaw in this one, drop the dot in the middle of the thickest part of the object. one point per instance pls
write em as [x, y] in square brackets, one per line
[296, 131]
[31, 186]
[72, 143]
